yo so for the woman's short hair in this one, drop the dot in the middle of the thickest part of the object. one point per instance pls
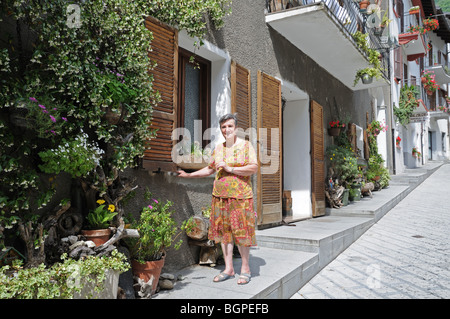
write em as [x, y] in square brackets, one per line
[227, 117]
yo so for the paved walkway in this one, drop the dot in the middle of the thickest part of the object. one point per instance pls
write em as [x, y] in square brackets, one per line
[406, 254]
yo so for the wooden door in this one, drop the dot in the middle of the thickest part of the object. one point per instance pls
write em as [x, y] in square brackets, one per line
[269, 189]
[165, 80]
[317, 160]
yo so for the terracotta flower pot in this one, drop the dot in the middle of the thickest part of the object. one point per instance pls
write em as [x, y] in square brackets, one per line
[148, 270]
[364, 4]
[98, 236]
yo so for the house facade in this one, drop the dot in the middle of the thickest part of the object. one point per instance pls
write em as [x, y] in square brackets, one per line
[421, 52]
[287, 68]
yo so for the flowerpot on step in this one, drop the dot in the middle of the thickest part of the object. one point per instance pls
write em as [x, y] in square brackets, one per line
[98, 236]
[147, 270]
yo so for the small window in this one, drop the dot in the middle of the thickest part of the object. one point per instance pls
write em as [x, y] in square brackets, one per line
[194, 74]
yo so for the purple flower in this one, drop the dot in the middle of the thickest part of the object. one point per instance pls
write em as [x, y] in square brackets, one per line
[64, 119]
[53, 132]
[33, 99]
[155, 201]
[41, 106]
[45, 111]
[52, 118]
[150, 206]
[54, 109]
[119, 75]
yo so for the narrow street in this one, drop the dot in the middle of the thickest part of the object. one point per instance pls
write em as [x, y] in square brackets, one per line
[406, 254]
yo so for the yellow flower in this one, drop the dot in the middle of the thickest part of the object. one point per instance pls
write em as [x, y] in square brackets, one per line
[100, 202]
[111, 208]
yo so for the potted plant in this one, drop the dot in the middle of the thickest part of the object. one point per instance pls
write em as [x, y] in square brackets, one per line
[335, 128]
[416, 153]
[99, 221]
[430, 24]
[158, 232]
[397, 142]
[363, 4]
[429, 82]
[366, 75]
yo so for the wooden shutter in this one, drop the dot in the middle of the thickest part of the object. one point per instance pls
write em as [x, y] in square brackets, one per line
[398, 64]
[165, 80]
[317, 160]
[269, 189]
[241, 95]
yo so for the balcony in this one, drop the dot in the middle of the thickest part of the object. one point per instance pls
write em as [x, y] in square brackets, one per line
[323, 30]
[413, 44]
[441, 76]
[413, 38]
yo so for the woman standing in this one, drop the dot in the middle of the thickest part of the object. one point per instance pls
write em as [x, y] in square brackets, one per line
[232, 211]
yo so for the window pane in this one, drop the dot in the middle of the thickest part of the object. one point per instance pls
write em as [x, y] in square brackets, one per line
[192, 99]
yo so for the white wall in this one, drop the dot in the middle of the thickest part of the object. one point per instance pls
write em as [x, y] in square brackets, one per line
[296, 156]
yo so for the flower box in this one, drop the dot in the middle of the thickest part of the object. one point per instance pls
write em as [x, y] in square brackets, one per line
[191, 162]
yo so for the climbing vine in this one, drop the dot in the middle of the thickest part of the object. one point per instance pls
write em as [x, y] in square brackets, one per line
[75, 81]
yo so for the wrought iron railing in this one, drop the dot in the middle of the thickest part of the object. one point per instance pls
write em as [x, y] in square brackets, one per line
[345, 13]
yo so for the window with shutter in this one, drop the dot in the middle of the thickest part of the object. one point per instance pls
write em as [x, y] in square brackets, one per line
[270, 186]
[165, 80]
[184, 88]
[241, 95]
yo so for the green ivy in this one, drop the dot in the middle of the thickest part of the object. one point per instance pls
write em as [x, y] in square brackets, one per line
[61, 280]
[408, 102]
[80, 74]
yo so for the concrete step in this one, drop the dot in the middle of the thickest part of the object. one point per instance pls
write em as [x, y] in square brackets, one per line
[276, 274]
[325, 236]
[287, 257]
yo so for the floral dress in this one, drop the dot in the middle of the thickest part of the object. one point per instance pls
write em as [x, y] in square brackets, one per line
[232, 212]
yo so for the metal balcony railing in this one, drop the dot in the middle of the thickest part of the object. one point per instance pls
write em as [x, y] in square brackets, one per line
[345, 13]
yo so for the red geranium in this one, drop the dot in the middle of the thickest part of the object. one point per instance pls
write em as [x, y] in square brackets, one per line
[336, 124]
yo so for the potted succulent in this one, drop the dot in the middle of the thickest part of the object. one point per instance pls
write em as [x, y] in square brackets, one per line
[158, 232]
[99, 221]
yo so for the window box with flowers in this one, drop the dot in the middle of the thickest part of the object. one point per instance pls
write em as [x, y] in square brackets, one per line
[335, 128]
[414, 10]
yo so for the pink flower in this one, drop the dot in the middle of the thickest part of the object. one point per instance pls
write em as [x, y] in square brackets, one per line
[41, 106]
[64, 119]
[33, 99]
[150, 206]
[155, 201]
[52, 118]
